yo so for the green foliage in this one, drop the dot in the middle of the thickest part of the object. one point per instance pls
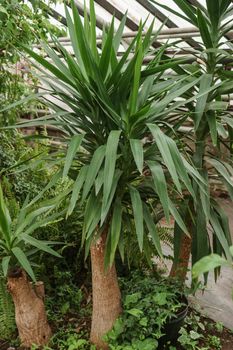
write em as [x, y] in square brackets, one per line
[64, 297]
[18, 180]
[215, 342]
[211, 262]
[110, 105]
[7, 315]
[69, 340]
[192, 332]
[211, 120]
[148, 303]
[20, 22]
[16, 234]
[196, 334]
[189, 339]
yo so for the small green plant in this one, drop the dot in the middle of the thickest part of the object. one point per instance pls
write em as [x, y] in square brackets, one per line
[69, 340]
[148, 304]
[189, 340]
[193, 335]
[219, 327]
[214, 342]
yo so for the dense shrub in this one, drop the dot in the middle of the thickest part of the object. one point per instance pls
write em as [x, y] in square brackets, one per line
[148, 303]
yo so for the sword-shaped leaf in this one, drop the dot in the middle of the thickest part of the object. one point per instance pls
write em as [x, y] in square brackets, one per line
[23, 261]
[75, 142]
[137, 150]
[138, 214]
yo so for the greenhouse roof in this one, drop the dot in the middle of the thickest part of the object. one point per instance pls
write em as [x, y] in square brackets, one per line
[173, 26]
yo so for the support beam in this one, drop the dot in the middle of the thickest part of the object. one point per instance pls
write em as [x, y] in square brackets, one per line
[119, 15]
[176, 32]
[162, 18]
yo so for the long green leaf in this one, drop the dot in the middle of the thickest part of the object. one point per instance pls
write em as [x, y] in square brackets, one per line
[51, 183]
[178, 217]
[23, 261]
[93, 169]
[39, 244]
[160, 185]
[118, 35]
[207, 263]
[5, 219]
[106, 207]
[214, 12]
[136, 80]
[137, 150]
[49, 66]
[138, 214]
[5, 264]
[188, 9]
[152, 229]
[220, 233]
[76, 189]
[71, 152]
[204, 30]
[110, 162]
[205, 84]
[93, 30]
[107, 52]
[115, 228]
[162, 143]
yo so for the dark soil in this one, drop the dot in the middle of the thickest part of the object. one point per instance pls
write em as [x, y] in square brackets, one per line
[226, 335]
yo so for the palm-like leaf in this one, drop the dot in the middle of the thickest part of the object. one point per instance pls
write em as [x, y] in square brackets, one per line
[210, 118]
[121, 148]
[15, 235]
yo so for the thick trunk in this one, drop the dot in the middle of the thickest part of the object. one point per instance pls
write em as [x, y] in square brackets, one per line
[106, 295]
[30, 315]
[179, 270]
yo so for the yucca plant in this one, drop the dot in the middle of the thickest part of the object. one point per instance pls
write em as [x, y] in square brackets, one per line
[17, 248]
[212, 133]
[116, 115]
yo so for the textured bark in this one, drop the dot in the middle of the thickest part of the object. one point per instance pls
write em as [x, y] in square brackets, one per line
[30, 315]
[106, 295]
[179, 270]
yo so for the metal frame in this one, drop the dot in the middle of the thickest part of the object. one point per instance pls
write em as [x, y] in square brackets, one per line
[173, 31]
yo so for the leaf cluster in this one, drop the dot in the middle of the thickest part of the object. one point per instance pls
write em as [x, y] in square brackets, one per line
[122, 151]
[15, 235]
[148, 303]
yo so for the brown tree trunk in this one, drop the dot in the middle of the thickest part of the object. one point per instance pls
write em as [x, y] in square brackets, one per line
[106, 295]
[30, 315]
[179, 270]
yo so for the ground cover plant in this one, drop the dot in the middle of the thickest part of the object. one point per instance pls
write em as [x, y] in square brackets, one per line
[71, 326]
